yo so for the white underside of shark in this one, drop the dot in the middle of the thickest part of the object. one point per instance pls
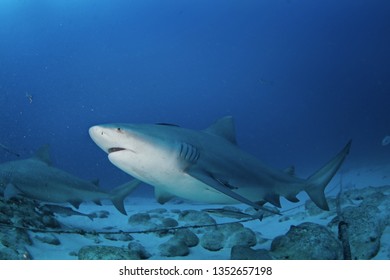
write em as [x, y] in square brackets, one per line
[167, 176]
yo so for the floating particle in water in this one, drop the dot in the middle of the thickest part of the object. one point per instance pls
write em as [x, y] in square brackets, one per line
[386, 140]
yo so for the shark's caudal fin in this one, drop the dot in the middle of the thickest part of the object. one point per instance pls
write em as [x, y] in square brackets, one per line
[119, 194]
[317, 182]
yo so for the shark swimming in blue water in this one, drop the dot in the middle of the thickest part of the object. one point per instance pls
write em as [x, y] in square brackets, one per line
[36, 178]
[206, 166]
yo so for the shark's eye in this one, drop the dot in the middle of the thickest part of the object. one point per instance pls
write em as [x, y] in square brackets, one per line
[119, 130]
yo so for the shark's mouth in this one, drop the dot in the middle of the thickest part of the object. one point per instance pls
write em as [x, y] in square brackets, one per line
[115, 149]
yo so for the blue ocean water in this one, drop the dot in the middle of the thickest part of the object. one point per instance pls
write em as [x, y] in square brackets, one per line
[300, 77]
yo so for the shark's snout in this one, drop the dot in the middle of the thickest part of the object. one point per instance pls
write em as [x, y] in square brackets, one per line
[101, 137]
[108, 138]
[94, 131]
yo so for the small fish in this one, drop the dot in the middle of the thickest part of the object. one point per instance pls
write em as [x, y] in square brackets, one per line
[65, 211]
[386, 140]
[266, 82]
[233, 213]
[29, 97]
[5, 148]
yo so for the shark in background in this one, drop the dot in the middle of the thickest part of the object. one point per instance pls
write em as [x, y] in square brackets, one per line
[206, 166]
[36, 178]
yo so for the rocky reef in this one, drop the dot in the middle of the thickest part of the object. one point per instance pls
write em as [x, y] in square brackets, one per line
[164, 234]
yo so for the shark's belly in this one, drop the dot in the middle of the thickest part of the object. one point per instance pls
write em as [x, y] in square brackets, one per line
[192, 189]
[185, 186]
[165, 173]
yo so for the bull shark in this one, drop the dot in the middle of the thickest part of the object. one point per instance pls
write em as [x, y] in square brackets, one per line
[206, 166]
[36, 178]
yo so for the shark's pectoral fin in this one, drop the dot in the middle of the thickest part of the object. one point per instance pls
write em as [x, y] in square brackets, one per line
[162, 196]
[261, 202]
[290, 170]
[97, 202]
[222, 186]
[11, 191]
[95, 182]
[292, 198]
[274, 199]
[75, 203]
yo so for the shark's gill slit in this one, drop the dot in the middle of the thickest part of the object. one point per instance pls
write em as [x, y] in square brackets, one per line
[181, 150]
[188, 152]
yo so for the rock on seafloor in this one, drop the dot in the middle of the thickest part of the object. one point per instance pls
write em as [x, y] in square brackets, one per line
[118, 236]
[142, 221]
[365, 226]
[48, 239]
[139, 218]
[95, 252]
[196, 218]
[239, 252]
[169, 223]
[243, 237]
[227, 236]
[155, 220]
[20, 215]
[307, 241]
[174, 247]
[139, 250]
[189, 238]
[213, 240]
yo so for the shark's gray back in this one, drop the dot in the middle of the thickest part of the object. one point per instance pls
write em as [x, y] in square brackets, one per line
[36, 179]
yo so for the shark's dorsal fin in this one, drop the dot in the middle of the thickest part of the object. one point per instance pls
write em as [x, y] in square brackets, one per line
[75, 203]
[224, 127]
[290, 170]
[43, 154]
[95, 182]
[97, 202]
[11, 191]
[292, 198]
[274, 199]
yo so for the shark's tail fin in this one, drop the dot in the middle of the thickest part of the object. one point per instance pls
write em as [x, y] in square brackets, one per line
[317, 182]
[119, 194]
